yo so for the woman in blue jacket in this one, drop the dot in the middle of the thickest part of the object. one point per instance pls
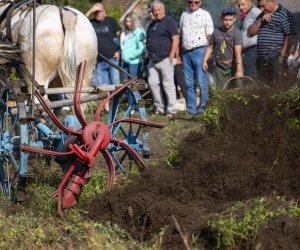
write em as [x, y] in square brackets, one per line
[132, 43]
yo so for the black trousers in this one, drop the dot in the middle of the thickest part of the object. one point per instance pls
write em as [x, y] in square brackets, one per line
[273, 71]
[180, 80]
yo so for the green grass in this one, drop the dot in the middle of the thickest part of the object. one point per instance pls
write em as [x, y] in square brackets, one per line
[35, 225]
[173, 135]
[243, 220]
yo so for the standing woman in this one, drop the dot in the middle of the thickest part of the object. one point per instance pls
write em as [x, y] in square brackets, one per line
[132, 42]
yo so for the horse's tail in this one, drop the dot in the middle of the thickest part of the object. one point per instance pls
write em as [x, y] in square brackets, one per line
[67, 64]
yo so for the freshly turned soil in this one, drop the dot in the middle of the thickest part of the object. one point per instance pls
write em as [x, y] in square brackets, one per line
[255, 154]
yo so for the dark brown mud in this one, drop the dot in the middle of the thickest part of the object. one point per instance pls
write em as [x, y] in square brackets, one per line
[255, 154]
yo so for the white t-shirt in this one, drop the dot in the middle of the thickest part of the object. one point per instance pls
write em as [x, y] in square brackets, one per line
[195, 28]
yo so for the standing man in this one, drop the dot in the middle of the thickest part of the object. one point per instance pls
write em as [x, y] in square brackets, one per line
[196, 27]
[108, 31]
[162, 43]
[249, 44]
[276, 31]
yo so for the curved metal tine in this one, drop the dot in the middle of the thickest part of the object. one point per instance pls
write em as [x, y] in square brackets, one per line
[53, 117]
[111, 169]
[58, 192]
[78, 88]
[138, 121]
[100, 107]
[131, 152]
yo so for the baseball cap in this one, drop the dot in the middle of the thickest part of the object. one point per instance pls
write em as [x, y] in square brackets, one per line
[229, 10]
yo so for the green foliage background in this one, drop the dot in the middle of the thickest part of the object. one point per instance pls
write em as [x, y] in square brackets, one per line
[175, 8]
[116, 10]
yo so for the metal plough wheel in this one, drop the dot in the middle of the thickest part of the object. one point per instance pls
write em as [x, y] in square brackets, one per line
[135, 135]
[13, 133]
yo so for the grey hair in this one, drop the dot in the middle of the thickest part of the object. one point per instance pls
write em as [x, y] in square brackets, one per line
[157, 2]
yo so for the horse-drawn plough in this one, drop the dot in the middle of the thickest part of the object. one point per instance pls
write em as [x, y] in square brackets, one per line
[74, 141]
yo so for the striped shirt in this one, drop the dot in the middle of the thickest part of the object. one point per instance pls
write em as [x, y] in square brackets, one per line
[271, 35]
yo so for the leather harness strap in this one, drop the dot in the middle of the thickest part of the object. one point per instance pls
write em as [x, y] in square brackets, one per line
[61, 8]
[4, 13]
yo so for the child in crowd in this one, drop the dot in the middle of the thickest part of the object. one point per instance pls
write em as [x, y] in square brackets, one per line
[226, 43]
[132, 43]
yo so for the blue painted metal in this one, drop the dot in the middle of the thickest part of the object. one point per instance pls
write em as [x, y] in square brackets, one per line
[12, 156]
[23, 161]
[129, 133]
[48, 132]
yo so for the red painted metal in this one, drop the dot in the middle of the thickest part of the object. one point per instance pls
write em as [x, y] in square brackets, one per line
[94, 137]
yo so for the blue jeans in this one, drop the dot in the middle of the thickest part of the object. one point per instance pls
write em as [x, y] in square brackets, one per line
[106, 74]
[132, 69]
[192, 65]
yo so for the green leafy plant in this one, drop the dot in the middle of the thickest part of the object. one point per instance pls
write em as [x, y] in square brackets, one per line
[289, 106]
[215, 111]
[174, 134]
[172, 143]
[243, 220]
[96, 185]
[241, 98]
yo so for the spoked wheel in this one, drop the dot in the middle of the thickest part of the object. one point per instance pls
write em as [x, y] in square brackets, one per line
[235, 83]
[121, 107]
[13, 133]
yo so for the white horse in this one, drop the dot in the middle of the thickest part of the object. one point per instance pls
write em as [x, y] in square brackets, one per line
[64, 38]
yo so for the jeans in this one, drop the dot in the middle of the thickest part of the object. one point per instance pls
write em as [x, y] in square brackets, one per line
[192, 65]
[106, 74]
[132, 69]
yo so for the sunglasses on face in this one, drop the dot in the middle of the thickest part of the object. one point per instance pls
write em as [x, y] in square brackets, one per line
[194, 2]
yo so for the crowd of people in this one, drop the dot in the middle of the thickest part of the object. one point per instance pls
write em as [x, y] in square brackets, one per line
[182, 54]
